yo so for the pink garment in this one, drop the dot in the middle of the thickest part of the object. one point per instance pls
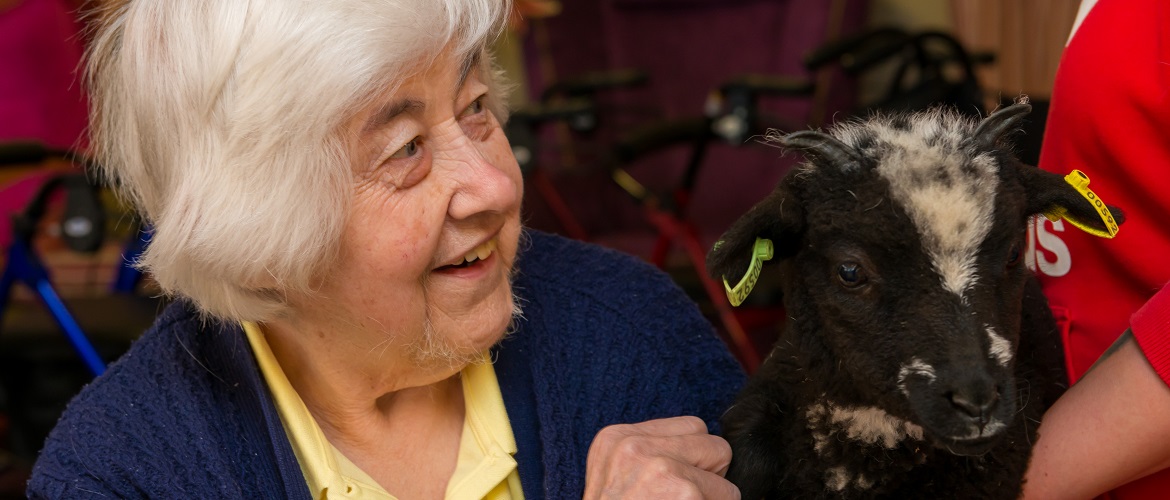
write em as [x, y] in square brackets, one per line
[40, 92]
[41, 98]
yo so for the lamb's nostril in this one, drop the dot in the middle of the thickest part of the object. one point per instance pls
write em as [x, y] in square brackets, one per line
[978, 406]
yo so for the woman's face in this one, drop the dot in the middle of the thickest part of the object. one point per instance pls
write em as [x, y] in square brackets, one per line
[427, 252]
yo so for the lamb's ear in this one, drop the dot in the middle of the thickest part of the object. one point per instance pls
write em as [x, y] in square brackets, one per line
[778, 217]
[999, 123]
[1048, 193]
[1051, 193]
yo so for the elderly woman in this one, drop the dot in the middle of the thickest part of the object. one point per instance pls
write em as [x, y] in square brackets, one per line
[360, 312]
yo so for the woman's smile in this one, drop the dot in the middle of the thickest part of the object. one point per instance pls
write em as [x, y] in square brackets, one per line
[475, 260]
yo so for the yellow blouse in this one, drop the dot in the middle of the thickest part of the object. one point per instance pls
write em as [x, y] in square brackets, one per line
[485, 468]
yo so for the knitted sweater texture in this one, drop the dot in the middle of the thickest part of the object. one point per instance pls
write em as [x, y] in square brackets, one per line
[605, 339]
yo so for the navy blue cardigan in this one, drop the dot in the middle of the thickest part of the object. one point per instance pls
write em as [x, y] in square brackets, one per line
[186, 414]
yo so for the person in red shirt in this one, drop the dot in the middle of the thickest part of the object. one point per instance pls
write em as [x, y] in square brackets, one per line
[1110, 117]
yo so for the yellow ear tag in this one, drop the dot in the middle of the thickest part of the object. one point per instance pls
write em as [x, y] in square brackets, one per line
[1079, 181]
[761, 251]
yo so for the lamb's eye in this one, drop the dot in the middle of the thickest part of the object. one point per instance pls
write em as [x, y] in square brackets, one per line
[1014, 255]
[851, 274]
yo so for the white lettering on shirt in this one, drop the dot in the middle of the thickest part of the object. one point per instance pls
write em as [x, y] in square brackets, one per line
[1043, 243]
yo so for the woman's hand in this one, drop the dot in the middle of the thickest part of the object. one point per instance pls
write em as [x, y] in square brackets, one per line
[667, 458]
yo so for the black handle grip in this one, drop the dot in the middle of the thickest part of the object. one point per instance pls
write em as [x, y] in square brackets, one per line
[540, 113]
[769, 85]
[32, 152]
[953, 50]
[858, 52]
[656, 137]
[855, 63]
[591, 82]
[83, 221]
[24, 152]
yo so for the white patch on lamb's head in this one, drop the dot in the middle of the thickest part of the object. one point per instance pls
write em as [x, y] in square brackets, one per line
[915, 367]
[836, 479]
[1000, 349]
[948, 194]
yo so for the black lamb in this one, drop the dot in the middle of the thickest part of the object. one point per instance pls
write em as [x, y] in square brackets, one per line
[919, 353]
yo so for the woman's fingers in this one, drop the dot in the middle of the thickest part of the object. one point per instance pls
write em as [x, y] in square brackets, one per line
[673, 426]
[666, 479]
[682, 438]
[715, 486]
[666, 458]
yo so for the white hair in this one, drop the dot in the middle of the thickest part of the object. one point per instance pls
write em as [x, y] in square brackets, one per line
[222, 121]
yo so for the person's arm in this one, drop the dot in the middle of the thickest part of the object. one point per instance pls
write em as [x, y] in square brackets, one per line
[1110, 428]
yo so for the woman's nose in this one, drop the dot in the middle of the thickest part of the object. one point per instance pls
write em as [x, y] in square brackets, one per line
[487, 178]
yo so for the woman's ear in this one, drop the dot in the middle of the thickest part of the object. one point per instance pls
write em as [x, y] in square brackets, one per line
[1051, 193]
[778, 217]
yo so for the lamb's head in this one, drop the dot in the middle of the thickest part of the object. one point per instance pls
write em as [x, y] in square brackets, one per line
[899, 244]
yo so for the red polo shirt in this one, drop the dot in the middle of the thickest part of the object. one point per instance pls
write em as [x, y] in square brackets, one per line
[1110, 117]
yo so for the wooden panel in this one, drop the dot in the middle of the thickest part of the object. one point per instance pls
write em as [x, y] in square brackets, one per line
[1027, 38]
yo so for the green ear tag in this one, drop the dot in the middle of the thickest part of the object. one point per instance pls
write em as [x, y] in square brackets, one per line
[1079, 181]
[761, 252]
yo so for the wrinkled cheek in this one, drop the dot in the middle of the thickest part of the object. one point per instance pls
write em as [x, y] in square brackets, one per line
[408, 249]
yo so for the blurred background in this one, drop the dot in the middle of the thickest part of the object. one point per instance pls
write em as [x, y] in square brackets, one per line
[636, 123]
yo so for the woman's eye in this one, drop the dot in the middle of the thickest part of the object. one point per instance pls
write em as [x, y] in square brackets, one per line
[851, 274]
[474, 108]
[407, 151]
[474, 120]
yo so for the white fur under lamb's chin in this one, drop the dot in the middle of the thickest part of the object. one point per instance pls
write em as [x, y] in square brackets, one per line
[867, 425]
[836, 479]
[839, 478]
